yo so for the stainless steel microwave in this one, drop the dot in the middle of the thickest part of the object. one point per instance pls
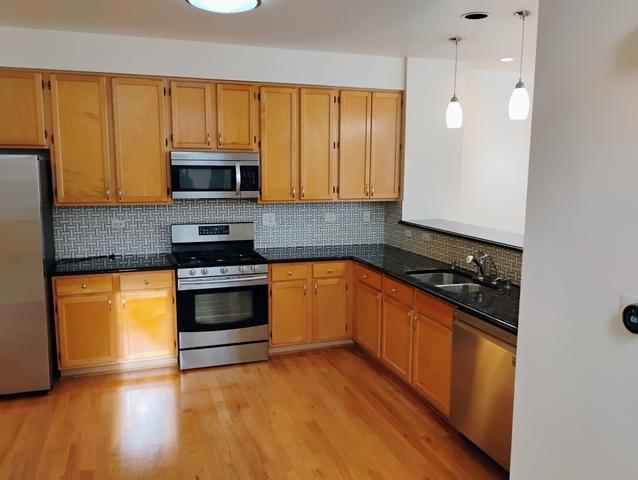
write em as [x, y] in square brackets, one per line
[215, 175]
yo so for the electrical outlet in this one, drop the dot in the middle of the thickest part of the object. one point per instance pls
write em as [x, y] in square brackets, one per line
[407, 233]
[329, 217]
[269, 220]
[366, 217]
[118, 223]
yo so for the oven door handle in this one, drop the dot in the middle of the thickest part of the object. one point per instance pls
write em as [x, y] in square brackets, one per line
[206, 284]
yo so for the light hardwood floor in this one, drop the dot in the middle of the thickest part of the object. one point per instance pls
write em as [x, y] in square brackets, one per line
[320, 415]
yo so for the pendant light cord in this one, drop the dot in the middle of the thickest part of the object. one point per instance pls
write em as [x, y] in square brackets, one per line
[456, 61]
[520, 73]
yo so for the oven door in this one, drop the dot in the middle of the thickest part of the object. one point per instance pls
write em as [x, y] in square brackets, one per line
[205, 179]
[228, 305]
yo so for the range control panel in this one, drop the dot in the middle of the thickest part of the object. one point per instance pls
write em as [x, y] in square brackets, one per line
[205, 230]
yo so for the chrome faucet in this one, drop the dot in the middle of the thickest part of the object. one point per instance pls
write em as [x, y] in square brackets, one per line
[479, 261]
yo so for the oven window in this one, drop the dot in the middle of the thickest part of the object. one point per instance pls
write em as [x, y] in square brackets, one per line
[223, 308]
[209, 178]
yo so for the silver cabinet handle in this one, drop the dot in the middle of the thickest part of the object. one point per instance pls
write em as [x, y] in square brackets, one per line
[84, 285]
[305, 288]
[108, 193]
[378, 298]
[316, 286]
[367, 190]
[395, 290]
[365, 277]
[145, 282]
[208, 139]
[303, 191]
[123, 303]
[109, 303]
[293, 192]
[330, 270]
[289, 273]
[119, 193]
[372, 192]
[220, 140]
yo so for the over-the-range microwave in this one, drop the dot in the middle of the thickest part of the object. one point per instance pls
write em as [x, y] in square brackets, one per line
[215, 175]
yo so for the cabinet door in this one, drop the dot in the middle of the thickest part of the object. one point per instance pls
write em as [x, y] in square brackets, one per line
[81, 139]
[290, 312]
[235, 119]
[367, 328]
[86, 330]
[140, 140]
[432, 366]
[354, 145]
[396, 339]
[279, 144]
[192, 115]
[330, 309]
[21, 109]
[385, 154]
[148, 324]
[317, 143]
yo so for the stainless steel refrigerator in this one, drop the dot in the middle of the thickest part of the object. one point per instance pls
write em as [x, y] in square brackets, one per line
[26, 249]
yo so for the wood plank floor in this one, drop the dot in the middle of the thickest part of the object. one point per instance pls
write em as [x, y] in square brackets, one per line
[320, 415]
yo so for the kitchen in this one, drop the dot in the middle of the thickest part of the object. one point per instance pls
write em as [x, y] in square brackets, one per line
[281, 263]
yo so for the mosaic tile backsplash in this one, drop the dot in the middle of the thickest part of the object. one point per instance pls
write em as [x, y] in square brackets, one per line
[447, 248]
[89, 231]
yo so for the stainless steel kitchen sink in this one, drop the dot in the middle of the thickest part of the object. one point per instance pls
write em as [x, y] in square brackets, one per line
[440, 277]
[463, 288]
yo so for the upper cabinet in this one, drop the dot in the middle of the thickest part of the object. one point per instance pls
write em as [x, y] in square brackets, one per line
[81, 154]
[22, 109]
[236, 117]
[279, 144]
[318, 143]
[193, 115]
[140, 140]
[370, 145]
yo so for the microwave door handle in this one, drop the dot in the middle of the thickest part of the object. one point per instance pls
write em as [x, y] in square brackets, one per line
[238, 180]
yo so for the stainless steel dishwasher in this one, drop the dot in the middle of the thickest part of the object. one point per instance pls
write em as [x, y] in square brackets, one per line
[483, 367]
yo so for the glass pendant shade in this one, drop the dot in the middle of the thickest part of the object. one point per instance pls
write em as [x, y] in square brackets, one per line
[225, 6]
[454, 114]
[519, 103]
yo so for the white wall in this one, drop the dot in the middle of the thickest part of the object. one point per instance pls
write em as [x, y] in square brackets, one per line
[477, 174]
[46, 49]
[576, 386]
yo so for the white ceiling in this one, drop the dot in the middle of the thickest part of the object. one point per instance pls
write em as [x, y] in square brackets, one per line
[415, 28]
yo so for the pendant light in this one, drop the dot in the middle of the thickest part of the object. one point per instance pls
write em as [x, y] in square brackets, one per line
[225, 6]
[454, 113]
[519, 101]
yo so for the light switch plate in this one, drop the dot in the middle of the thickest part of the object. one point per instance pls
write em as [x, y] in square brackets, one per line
[269, 219]
[366, 217]
[118, 223]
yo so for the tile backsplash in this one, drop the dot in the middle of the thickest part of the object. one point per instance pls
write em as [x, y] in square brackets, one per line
[444, 247]
[88, 231]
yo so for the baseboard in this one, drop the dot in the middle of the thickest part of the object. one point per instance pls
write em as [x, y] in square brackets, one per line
[309, 346]
[121, 367]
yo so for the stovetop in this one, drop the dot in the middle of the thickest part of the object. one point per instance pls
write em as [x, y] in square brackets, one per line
[218, 258]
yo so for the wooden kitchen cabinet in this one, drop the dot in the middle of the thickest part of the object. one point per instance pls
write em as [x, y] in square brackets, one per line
[140, 140]
[110, 320]
[193, 115]
[81, 150]
[86, 330]
[318, 143]
[367, 319]
[279, 144]
[369, 145]
[22, 121]
[330, 309]
[396, 338]
[354, 144]
[385, 142]
[290, 312]
[235, 117]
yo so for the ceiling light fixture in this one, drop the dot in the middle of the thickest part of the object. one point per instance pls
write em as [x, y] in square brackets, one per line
[225, 6]
[519, 101]
[475, 15]
[506, 59]
[454, 113]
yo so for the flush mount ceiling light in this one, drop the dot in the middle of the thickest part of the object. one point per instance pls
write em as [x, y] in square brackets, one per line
[519, 101]
[506, 59]
[454, 113]
[475, 15]
[225, 6]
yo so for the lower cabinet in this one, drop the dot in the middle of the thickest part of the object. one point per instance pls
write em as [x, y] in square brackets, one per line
[396, 339]
[309, 303]
[106, 320]
[367, 319]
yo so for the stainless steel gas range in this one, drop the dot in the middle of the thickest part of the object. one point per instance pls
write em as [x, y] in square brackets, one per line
[222, 295]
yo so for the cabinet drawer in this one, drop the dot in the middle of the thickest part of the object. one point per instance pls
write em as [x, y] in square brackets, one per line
[367, 276]
[434, 309]
[84, 284]
[146, 280]
[399, 291]
[329, 269]
[289, 271]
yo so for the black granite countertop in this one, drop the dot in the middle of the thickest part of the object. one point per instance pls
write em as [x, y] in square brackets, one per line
[499, 307]
[113, 264]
